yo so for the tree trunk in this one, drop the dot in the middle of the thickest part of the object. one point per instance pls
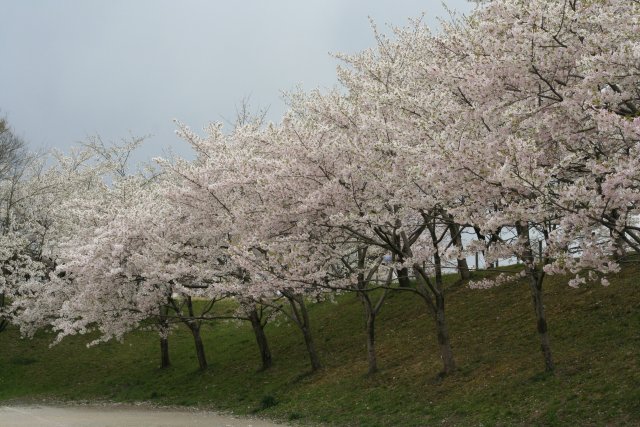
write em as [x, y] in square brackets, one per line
[463, 267]
[619, 240]
[163, 320]
[311, 349]
[202, 359]
[301, 316]
[403, 278]
[370, 321]
[436, 308]
[261, 339]
[194, 327]
[449, 364]
[433, 294]
[371, 343]
[536, 276]
[535, 283]
[3, 322]
[308, 339]
[164, 353]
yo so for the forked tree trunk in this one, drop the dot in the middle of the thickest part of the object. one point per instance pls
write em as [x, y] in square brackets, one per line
[308, 338]
[261, 339]
[449, 364]
[311, 349]
[370, 331]
[371, 310]
[442, 332]
[441, 321]
[536, 275]
[463, 267]
[432, 291]
[194, 326]
[301, 318]
[197, 338]
[535, 284]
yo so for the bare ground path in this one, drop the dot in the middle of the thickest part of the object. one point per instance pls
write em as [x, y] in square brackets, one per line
[118, 416]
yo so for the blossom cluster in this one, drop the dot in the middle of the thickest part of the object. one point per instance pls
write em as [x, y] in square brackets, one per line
[515, 125]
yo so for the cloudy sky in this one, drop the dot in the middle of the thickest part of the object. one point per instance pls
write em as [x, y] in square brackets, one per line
[74, 68]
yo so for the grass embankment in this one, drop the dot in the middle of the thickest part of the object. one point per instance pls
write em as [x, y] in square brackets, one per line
[595, 334]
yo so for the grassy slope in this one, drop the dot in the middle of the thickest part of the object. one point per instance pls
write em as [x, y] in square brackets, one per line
[595, 334]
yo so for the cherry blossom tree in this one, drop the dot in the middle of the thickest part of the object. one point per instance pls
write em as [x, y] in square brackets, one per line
[218, 199]
[515, 130]
[336, 177]
[548, 92]
[32, 225]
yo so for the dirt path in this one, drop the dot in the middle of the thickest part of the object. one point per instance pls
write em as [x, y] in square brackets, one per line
[117, 416]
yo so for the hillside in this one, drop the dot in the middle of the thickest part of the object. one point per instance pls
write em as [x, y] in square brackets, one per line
[595, 334]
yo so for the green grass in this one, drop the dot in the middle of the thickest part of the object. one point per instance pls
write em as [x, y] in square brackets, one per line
[595, 333]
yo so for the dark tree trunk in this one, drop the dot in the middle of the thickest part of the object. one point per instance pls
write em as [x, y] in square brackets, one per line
[301, 317]
[535, 284]
[403, 278]
[194, 326]
[449, 364]
[261, 339]
[619, 240]
[3, 322]
[432, 291]
[536, 275]
[165, 362]
[371, 343]
[308, 338]
[163, 320]
[311, 349]
[463, 267]
[370, 323]
[202, 359]
[371, 310]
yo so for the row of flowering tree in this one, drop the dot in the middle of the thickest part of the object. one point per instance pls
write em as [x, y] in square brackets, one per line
[513, 130]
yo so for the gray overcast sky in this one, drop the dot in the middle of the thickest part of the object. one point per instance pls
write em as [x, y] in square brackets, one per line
[73, 68]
